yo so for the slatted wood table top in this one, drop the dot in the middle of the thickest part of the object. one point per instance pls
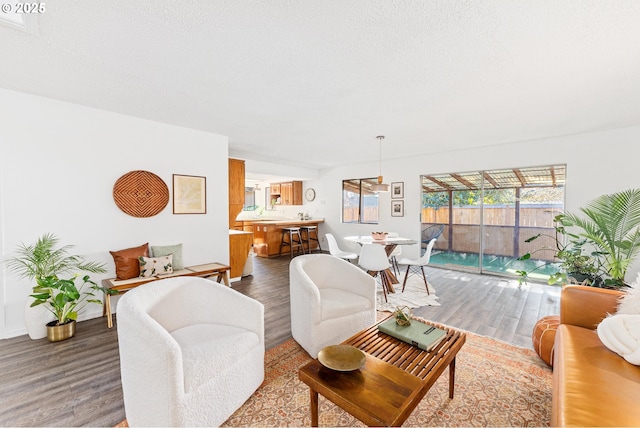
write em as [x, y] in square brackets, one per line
[394, 379]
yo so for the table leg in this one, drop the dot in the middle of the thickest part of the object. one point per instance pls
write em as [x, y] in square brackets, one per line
[389, 279]
[452, 376]
[107, 309]
[225, 278]
[314, 407]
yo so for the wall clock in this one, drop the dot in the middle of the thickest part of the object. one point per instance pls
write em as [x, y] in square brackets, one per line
[310, 194]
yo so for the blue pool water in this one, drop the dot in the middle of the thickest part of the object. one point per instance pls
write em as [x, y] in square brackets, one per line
[491, 263]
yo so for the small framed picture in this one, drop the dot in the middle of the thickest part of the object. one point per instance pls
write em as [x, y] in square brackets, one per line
[189, 194]
[397, 208]
[397, 190]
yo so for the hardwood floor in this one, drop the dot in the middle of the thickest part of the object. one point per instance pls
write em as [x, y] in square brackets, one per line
[77, 382]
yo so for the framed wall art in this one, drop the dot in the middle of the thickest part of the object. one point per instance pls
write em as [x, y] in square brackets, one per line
[397, 208]
[397, 190]
[189, 194]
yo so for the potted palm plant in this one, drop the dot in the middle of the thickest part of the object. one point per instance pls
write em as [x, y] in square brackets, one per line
[42, 260]
[610, 224]
[600, 244]
[574, 263]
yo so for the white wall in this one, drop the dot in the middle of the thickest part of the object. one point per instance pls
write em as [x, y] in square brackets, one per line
[597, 163]
[58, 165]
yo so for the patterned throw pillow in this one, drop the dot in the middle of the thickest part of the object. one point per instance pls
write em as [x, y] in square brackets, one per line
[154, 266]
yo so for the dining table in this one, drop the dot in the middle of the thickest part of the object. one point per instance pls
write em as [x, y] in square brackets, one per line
[387, 276]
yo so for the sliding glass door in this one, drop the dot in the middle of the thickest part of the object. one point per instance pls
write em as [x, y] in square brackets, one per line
[485, 217]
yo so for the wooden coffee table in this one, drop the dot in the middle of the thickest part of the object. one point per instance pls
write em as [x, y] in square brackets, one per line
[393, 380]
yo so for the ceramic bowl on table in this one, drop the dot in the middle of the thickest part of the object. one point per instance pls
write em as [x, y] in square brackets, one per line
[379, 236]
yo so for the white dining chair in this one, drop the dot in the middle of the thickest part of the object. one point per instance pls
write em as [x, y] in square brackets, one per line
[335, 250]
[417, 265]
[393, 257]
[373, 259]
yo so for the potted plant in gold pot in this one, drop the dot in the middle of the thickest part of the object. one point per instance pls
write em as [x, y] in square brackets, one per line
[64, 300]
[41, 260]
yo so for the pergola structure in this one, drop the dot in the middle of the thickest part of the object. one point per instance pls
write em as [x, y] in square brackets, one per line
[515, 178]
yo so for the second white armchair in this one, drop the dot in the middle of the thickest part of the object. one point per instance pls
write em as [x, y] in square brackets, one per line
[331, 300]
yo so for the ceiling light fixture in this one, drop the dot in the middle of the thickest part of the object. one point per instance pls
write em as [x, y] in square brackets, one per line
[379, 187]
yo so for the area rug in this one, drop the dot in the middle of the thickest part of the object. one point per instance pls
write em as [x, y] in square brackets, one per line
[497, 384]
[414, 296]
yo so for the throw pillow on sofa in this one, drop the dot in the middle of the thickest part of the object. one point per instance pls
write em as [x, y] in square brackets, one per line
[126, 261]
[151, 266]
[630, 302]
[165, 250]
[621, 334]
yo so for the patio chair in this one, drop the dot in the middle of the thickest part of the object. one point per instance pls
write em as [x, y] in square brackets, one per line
[417, 265]
[429, 233]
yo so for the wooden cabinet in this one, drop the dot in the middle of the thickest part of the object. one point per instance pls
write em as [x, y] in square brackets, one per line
[288, 193]
[236, 190]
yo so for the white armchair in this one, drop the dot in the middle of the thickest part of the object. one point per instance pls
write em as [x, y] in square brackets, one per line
[191, 352]
[331, 300]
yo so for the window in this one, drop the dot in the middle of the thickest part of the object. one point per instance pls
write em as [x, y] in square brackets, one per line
[359, 202]
[249, 199]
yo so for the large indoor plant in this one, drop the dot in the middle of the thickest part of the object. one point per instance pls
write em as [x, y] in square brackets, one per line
[603, 240]
[45, 259]
[574, 263]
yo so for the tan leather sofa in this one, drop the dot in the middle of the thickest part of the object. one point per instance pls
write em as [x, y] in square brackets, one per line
[592, 386]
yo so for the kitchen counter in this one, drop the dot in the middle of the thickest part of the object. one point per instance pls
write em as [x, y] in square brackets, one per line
[267, 233]
[239, 247]
[286, 221]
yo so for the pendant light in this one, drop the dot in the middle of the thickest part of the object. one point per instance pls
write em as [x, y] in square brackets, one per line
[380, 187]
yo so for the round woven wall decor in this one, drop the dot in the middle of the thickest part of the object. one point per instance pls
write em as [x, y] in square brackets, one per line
[140, 194]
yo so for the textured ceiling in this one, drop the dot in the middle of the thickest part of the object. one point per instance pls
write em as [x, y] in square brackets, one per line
[314, 82]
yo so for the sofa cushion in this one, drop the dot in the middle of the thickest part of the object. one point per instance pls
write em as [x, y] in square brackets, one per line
[630, 300]
[338, 303]
[126, 261]
[152, 266]
[621, 334]
[592, 386]
[165, 250]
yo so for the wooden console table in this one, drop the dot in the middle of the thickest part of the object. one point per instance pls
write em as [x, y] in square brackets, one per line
[220, 271]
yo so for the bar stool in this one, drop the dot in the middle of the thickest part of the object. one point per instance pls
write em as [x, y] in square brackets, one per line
[295, 240]
[310, 234]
